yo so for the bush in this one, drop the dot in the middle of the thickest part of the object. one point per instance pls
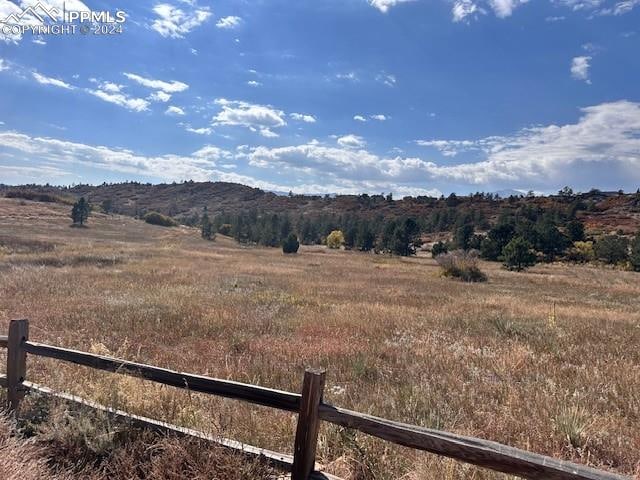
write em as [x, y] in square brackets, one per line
[155, 218]
[518, 254]
[438, 249]
[335, 239]
[225, 229]
[581, 252]
[461, 264]
[291, 244]
[634, 256]
[612, 249]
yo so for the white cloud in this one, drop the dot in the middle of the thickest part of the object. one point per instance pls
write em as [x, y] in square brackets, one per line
[387, 79]
[385, 5]
[351, 141]
[200, 131]
[351, 76]
[44, 80]
[172, 110]
[580, 68]
[111, 87]
[174, 22]
[261, 118]
[134, 104]
[229, 22]
[504, 8]
[160, 96]
[254, 83]
[3, 65]
[302, 117]
[359, 118]
[379, 117]
[606, 139]
[168, 87]
[464, 8]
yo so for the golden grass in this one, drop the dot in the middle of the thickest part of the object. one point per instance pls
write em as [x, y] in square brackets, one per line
[398, 340]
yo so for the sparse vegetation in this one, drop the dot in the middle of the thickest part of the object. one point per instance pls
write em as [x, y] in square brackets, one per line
[155, 218]
[461, 264]
[398, 340]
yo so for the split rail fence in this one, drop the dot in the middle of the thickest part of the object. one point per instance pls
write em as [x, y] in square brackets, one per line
[308, 405]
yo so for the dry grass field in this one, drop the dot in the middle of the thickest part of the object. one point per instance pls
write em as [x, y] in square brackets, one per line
[398, 340]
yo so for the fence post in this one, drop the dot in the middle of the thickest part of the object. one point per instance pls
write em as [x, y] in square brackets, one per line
[16, 362]
[304, 450]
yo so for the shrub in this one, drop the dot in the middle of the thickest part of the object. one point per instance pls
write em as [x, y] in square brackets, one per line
[155, 218]
[634, 256]
[581, 252]
[335, 239]
[461, 264]
[612, 249]
[438, 249]
[224, 229]
[291, 244]
[518, 254]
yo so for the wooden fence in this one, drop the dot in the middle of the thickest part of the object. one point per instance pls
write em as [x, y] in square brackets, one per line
[308, 405]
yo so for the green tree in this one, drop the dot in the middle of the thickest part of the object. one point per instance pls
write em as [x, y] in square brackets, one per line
[549, 240]
[80, 212]
[518, 254]
[575, 231]
[107, 206]
[634, 256]
[206, 227]
[365, 238]
[462, 236]
[611, 249]
[291, 244]
[439, 248]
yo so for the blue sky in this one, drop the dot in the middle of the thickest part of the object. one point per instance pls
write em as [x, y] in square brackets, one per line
[329, 96]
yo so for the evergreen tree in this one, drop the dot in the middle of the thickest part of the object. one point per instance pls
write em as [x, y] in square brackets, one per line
[365, 238]
[80, 212]
[518, 254]
[206, 227]
[291, 244]
[611, 249]
[634, 256]
[462, 236]
[575, 231]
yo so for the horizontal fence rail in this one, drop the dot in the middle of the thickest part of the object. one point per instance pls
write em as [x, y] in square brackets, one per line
[196, 383]
[308, 405]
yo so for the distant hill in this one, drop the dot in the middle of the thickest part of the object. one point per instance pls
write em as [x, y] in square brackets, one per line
[601, 211]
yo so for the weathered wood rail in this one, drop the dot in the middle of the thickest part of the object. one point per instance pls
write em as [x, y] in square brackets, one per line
[308, 405]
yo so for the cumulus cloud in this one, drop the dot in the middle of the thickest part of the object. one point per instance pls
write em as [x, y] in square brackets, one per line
[464, 10]
[160, 96]
[229, 22]
[302, 117]
[3, 65]
[379, 117]
[260, 118]
[359, 118]
[351, 141]
[580, 68]
[168, 87]
[44, 80]
[385, 5]
[174, 22]
[174, 111]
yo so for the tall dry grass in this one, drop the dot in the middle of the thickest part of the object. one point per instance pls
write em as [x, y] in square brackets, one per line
[398, 340]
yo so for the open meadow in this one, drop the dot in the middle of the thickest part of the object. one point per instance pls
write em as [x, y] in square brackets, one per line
[398, 340]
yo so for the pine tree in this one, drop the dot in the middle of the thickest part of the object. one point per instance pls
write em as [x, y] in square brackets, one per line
[634, 256]
[518, 254]
[206, 227]
[80, 212]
